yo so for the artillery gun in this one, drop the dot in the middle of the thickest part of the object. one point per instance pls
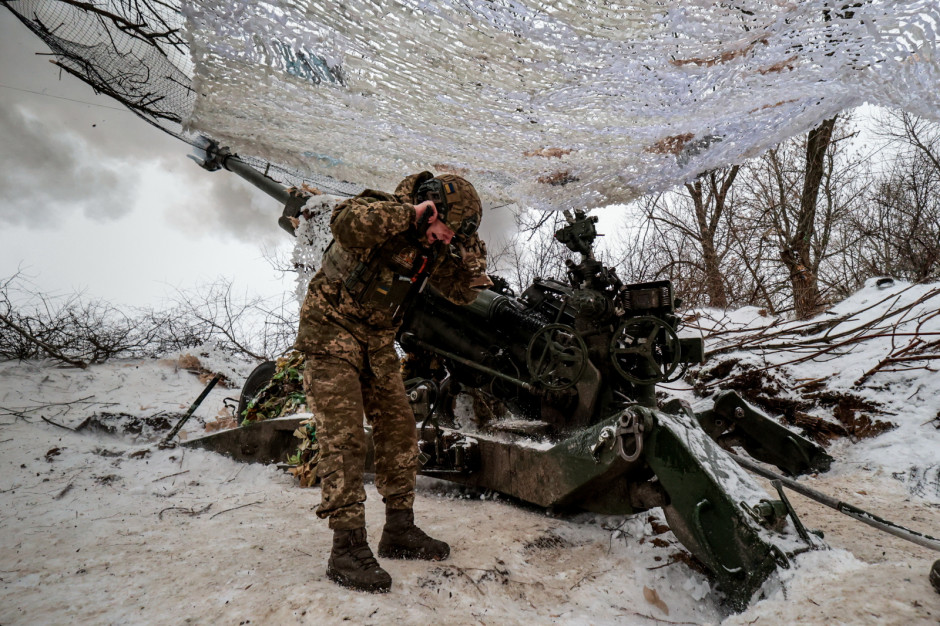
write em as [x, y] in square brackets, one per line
[575, 364]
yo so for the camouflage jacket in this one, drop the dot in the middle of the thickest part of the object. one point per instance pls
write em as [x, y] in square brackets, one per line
[377, 222]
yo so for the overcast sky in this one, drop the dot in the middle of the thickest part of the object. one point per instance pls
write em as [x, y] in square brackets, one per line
[94, 199]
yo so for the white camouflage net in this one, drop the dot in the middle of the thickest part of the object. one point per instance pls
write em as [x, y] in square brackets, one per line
[552, 103]
[313, 237]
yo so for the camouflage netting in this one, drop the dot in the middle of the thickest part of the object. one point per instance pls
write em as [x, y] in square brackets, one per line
[284, 395]
[305, 460]
[554, 103]
[557, 103]
[313, 237]
[135, 51]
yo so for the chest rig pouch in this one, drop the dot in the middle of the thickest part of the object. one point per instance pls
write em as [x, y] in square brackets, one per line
[385, 279]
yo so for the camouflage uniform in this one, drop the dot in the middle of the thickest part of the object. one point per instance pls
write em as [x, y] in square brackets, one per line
[352, 367]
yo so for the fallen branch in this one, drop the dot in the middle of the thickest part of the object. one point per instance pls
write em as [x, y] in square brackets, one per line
[19, 415]
[756, 339]
[62, 493]
[235, 508]
[888, 360]
[235, 475]
[22, 412]
[49, 421]
[170, 476]
[650, 617]
[922, 357]
[468, 577]
[585, 577]
[192, 512]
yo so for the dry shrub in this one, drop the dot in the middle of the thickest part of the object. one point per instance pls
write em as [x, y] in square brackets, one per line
[188, 362]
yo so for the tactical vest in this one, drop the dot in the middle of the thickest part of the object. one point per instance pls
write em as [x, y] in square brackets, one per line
[387, 278]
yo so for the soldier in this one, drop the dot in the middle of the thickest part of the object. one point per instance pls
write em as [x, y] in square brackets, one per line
[385, 249]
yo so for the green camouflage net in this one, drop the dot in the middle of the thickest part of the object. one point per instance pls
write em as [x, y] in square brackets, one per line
[281, 396]
[303, 463]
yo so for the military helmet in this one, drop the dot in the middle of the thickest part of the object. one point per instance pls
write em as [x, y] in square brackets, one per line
[456, 200]
[406, 189]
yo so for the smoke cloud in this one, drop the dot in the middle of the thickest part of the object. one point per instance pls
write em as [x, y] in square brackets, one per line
[221, 204]
[47, 170]
[498, 224]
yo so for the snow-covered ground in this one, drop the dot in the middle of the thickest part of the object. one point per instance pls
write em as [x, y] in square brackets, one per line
[106, 528]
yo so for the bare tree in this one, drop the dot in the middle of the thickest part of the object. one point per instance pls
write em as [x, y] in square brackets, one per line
[250, 325]
[689, 238]
[801, 194]
[901, 223]
[709, 211]
[644, 250]
[81, 332]
[797, 251]
[775, 232]
[531, 252]
[701, 220]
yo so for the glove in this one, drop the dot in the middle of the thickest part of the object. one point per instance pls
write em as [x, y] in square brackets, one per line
[424, 220]
[471, 255]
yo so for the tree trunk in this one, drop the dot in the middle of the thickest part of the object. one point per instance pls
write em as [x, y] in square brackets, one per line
[707, 223]
[796, 256]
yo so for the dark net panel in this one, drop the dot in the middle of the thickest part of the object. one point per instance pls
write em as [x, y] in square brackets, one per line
[135, 51]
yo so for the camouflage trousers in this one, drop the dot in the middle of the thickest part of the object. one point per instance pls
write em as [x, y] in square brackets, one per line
[344, 379]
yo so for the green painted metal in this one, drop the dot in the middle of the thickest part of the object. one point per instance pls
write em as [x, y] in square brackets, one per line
[732, 417]
[566, 474]
[579, 361]
[712, 507]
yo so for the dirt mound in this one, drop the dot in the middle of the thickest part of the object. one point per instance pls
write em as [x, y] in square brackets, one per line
[136, 427]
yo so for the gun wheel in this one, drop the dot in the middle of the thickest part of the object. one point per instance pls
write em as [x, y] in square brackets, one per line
[645, 350]
[258, 378]
[556, 357]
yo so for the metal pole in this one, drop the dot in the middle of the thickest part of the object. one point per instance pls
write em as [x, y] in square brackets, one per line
[852, 511]
[409, 337]
[167, 441]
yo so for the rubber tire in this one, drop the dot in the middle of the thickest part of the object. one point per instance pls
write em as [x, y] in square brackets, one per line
[258, 378]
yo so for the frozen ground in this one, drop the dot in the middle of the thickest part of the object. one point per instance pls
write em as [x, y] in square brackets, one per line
[106, 528]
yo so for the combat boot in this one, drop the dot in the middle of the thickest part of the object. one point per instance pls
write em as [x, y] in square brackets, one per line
[352, 564]
[401, 539]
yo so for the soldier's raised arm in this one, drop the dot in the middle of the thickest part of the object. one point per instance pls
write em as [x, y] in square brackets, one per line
[370, 219]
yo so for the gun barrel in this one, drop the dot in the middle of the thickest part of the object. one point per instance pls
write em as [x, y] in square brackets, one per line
[209, 156]
[271, 187]
[496, 307]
